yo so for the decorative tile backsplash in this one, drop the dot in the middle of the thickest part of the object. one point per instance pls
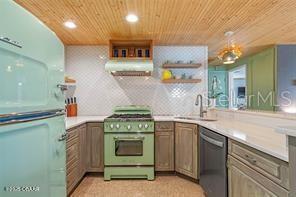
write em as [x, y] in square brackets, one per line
[98, 91]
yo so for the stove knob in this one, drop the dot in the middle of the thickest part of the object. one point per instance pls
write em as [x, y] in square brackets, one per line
[111, 126]
[146, 126]
[117, 126]
[140, 126]
[129, 127]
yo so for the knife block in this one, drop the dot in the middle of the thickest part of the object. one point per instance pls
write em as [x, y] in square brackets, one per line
[72, 110]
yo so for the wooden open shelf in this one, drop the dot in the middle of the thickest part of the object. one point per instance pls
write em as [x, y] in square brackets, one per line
[130, 58]
[181, 66]
[181, 81]
[130, 49]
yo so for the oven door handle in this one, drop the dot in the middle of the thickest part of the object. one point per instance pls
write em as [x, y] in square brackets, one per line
[129, 138]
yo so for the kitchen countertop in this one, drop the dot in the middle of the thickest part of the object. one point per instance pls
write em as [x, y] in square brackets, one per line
[287, 130]
[262, 138]
[76, 121]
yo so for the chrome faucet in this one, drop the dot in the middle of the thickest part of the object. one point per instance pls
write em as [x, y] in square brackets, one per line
[198, 101]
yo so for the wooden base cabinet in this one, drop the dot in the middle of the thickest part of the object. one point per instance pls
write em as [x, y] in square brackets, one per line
[272, 168]
[243, 181]
[164, 146]
[95, 147]
[186, 149]
[84, 152]
[72, 158]
[82, 149]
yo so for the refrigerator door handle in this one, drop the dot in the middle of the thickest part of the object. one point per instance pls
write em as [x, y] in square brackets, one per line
[9, 41]
[29, 116]
[62, 87]
[63, 137]
[30, 113]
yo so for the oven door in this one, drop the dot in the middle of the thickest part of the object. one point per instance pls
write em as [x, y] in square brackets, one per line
[129, 149]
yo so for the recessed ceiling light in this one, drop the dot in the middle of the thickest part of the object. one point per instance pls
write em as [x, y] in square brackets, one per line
[132, 18]
[228, 33]
[70, 24]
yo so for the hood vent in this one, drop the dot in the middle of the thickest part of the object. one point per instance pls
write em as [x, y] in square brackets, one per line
[129, 67]
[131, 73]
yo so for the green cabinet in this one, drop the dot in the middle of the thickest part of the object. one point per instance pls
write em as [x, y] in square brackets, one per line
[261, 80]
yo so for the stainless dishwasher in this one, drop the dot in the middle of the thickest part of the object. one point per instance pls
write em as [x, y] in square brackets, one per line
[213, 158]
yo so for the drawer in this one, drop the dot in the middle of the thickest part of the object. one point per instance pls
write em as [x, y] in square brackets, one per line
[164, 126]
[72, 133]
[72, 152]
[246, 182]
[72, 180]
[72, 166]
[71, 142]
[271, 167]
[72, 158]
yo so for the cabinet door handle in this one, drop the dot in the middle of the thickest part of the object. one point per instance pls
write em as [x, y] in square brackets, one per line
[251, 160]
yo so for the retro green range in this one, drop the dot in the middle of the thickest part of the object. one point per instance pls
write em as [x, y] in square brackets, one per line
[129, 143]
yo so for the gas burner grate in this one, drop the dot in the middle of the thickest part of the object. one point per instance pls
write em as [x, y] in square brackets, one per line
[130, 117]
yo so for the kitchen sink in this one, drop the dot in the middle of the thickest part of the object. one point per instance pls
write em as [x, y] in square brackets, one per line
[196, 118]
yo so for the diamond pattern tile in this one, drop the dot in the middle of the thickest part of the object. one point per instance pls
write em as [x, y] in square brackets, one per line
[98, 92]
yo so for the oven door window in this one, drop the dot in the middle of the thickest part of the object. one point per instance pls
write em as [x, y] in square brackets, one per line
[129, 147]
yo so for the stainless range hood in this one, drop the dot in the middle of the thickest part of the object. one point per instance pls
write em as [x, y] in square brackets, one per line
[125, 67]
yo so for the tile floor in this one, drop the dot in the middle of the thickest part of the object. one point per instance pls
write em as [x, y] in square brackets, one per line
[171, 186]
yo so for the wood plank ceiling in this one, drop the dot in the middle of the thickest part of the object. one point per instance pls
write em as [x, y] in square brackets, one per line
[256, 23]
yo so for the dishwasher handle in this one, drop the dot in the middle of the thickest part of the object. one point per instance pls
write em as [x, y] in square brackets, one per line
[212, 141]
